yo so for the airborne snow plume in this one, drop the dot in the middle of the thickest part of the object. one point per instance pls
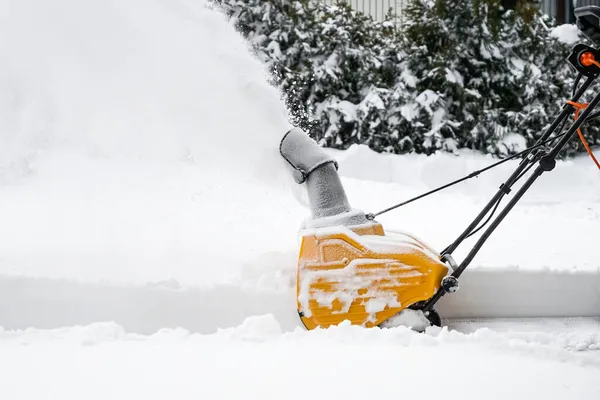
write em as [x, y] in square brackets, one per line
[134, 135]
[134, 79]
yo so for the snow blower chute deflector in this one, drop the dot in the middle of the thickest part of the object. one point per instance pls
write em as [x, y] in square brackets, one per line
[350, 269]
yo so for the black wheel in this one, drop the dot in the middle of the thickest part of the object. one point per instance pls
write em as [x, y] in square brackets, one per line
[414, 317]
[433, 317]
[300, 315]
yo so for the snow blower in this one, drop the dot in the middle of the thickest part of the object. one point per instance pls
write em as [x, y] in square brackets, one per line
[350, 269]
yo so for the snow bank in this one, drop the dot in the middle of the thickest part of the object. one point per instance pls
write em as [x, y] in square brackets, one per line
[484, 293]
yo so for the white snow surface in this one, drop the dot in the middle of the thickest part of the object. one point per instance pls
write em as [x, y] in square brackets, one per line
[257, 360]
[148, 231]
[567, 33]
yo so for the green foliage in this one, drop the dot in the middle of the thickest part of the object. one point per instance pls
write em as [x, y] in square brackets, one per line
[460, 73]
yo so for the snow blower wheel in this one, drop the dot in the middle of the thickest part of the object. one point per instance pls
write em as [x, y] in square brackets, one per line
[415, 318]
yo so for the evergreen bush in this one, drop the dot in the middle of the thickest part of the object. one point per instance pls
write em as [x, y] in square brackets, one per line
[459, 74]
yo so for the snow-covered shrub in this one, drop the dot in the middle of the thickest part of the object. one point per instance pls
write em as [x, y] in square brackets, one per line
[501, 75]
[459, 74]
[335, 65]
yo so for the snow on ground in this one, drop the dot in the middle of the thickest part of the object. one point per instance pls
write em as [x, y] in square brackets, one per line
[140, 183]
[257, 360]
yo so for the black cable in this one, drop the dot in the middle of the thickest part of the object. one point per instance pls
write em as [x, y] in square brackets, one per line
[527, 169]
[480, 227]
[500, 199]
[561, 128]
[487, 220]
[372, 216]
[471, 175]
[496, 205]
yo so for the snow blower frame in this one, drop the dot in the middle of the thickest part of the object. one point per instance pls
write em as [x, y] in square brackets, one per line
[350, 269]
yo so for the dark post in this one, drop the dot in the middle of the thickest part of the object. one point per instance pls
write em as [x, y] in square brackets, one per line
[561, 11]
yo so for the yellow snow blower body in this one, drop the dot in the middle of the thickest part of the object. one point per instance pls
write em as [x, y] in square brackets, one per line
[359, 274]
[349, 269]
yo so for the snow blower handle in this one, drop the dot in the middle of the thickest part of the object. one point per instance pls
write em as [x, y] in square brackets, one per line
[588, 22]
[546, 163]
[579, 59]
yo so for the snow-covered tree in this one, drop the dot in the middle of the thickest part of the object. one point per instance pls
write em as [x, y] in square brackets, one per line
[459, 74]
[501, 77]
